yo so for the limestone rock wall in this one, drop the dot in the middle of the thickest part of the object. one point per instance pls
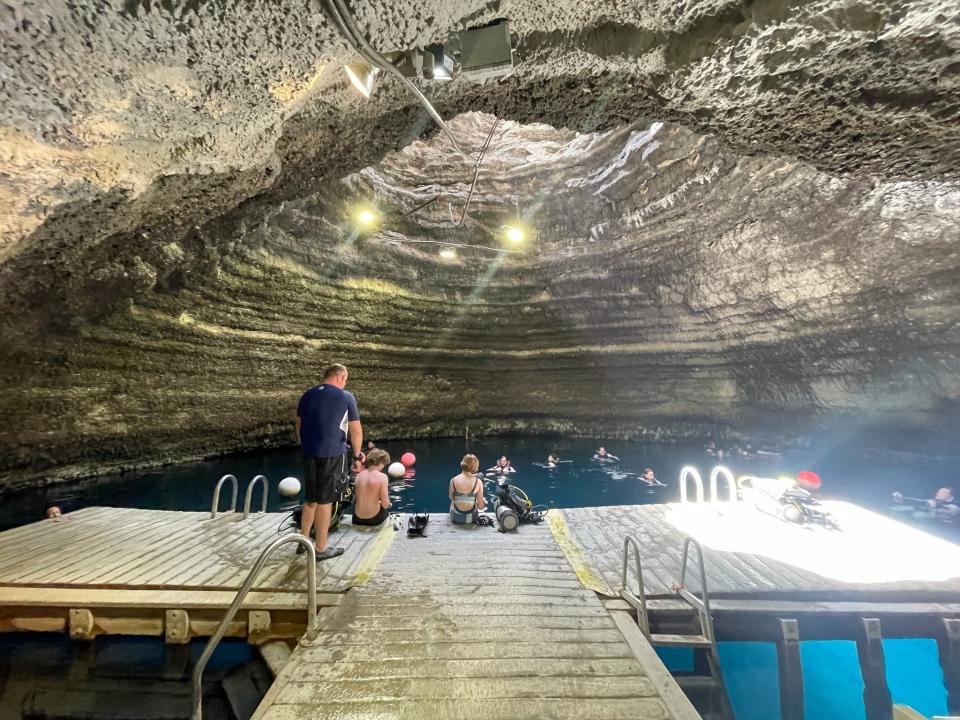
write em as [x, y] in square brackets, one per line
[674, 288]
[747, 218]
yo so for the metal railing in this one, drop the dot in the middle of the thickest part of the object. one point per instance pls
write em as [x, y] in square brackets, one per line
[221, 630]
[262, 479]
[731, 483]
[689, 471]
[216, 495]
[637, 600]
[702, 605]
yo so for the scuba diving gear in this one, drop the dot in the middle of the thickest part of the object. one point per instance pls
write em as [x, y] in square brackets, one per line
[417, 524]
[507, 518]
[514, 498]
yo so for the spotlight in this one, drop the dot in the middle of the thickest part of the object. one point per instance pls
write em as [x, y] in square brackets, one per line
[515, 234]
[362, 76]
[448, 253]
[366, 218]
[437, 64]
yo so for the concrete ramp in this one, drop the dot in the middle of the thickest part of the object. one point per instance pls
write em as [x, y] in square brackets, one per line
[472, 623]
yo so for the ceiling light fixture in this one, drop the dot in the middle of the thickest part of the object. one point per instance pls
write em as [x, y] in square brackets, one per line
[362, 76]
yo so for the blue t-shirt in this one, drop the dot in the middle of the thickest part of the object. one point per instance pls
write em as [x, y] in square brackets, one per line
[324, 412]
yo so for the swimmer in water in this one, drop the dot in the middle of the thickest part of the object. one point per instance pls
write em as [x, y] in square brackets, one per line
[649, 478]
[552, 460]
[503, 466]
[945, 505]
[602, 454]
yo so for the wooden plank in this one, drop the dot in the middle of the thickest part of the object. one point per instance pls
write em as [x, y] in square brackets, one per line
[948, 648]
[465, 668]
[489, 709]
[162, 599]
[365, 691]
[876, 694]
[110, 545]
[676, 704]
[790, 670]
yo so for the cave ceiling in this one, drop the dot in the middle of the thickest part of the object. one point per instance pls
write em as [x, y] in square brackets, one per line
[741, 214]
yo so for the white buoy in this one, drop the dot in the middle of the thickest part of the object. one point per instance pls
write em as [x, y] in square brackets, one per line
[289, 487]
[396, 470]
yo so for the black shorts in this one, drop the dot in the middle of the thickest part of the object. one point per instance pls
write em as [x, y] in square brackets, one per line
[321, 476]
[381, 515]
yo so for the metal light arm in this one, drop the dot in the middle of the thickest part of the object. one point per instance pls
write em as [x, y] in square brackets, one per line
[341, 15]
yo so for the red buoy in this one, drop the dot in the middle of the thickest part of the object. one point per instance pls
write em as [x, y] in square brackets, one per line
[408, 459]
[808, 480]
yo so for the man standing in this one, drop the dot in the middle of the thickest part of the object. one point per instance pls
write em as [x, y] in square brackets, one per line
[326, 416]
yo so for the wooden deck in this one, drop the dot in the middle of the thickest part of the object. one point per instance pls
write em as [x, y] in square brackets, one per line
[751, 555]
[467, 623]
[123, 570]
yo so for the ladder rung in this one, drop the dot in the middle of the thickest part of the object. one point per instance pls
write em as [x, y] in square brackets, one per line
[669, 640]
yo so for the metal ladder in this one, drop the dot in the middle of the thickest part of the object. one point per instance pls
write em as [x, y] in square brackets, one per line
[705, 685]
[310, 556]
[248, 497]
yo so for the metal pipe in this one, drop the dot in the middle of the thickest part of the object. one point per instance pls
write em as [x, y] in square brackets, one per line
[221, 630]
[216, 495]
[249, 496]
[343, 18]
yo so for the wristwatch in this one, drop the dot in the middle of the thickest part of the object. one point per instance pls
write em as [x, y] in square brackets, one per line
[358, 458]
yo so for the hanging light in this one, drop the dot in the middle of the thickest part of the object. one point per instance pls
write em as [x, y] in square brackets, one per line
[515, 233]
[366, 217]
[362, 76]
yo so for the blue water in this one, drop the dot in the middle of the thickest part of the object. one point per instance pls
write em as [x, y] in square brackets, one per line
[833, 685]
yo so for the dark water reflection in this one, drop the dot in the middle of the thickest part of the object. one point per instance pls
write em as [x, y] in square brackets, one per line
[579, 483]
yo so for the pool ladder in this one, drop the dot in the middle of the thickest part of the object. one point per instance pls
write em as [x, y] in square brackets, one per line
[248, 496]
[704, 685]
[311, 560]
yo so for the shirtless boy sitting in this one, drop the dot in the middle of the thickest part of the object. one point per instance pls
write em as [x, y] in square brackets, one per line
[371, 499]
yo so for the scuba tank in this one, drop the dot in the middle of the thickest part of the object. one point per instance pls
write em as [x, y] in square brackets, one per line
[507, 517]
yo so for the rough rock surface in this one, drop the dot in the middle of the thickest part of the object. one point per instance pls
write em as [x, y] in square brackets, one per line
[748, 216]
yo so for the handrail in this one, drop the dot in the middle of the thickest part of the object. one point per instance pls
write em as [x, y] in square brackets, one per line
[216, 495]
[690, 471]
[702, 604]
[638, 600]
[249, 496]
[221, 630]
[731, 483]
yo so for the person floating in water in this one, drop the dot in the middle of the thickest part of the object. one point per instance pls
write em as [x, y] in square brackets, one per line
[552, 460]
[602, 454]
[503, 467]
[944, 506]
[649, 478]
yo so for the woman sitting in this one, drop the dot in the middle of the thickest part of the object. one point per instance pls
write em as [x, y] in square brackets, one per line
[466, 492]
